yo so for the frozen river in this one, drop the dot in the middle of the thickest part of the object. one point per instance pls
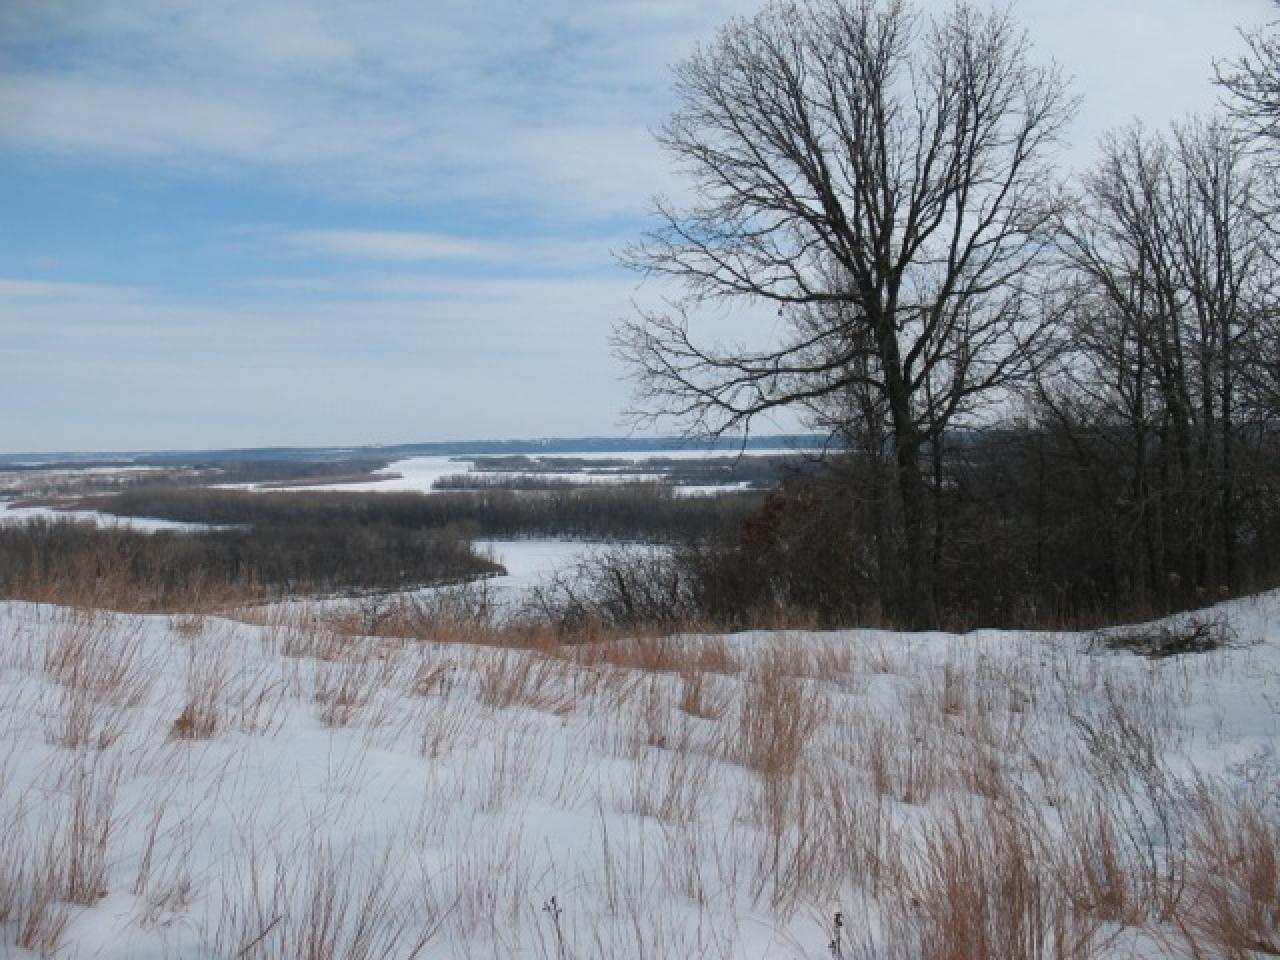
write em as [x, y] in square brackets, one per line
[423, 474]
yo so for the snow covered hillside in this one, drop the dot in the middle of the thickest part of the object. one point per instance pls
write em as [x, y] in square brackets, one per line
[201, 787]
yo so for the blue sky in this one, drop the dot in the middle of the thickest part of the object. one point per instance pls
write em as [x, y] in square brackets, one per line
[361, 221]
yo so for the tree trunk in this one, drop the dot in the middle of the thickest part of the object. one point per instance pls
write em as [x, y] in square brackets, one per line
[921, 612]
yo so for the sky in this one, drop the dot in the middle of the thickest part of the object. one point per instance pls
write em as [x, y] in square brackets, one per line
[320, 222]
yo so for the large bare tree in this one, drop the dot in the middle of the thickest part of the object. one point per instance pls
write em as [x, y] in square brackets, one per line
[883, 180]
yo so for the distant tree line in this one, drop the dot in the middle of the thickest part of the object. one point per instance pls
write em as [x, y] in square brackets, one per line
[280, 544]
[637, 512]
[753, 470]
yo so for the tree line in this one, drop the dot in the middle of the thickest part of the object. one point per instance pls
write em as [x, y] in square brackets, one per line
[70, 561]
[1061, 394]
[638, 512]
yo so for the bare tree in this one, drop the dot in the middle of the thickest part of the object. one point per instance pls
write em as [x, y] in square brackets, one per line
[1253, 81]
[883, 181]
[1171, 266]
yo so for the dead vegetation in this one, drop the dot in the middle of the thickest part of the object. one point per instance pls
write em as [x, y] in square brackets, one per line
[951, 800]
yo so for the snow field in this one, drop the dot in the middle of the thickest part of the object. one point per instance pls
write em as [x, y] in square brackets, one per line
[270, 786]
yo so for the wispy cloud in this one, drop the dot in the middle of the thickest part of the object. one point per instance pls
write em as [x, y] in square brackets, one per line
[383, 219]
[544, 106]
[552, 255]
[414, 357]
[396, 245]
[17, 293]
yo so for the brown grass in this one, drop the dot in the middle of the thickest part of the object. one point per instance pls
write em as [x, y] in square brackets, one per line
[31, 886]
[316, 904]
[207, 693]
[978, 889]
[1234, 901]
[89, 827]
[510, 678]
[825, 784]
[778, 715]
[99, 654]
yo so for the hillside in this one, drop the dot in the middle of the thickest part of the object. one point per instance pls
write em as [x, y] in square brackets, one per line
[217, 787]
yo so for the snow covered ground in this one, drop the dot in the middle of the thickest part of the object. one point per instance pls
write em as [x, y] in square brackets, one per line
[529, 562]
[11, 514]
[203, 787]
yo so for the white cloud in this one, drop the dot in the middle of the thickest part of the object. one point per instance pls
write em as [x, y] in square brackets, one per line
[414, 358]
[396, 245]
[16, 293]
[547, 254]
[535, 115]
[543, 105]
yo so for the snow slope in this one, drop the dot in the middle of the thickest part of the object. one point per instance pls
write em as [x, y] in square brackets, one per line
[206, 787]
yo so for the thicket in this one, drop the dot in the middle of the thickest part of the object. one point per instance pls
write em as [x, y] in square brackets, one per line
[1035, 528]
[311, 543]
[77, 562]
[647, 512]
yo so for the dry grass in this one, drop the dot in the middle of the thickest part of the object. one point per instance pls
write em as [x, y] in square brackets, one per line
[1234, 901]
[700, 696]
[317, 904]
[951, 802]
[511, 678]
[74, 718]
[207, 695]
[777, 716]
[99, 655]
[89, 826]
[348, 685]
[116, 589]
[979, 889]
[31, 886]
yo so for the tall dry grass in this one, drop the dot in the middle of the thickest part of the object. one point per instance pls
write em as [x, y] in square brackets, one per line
[949, 801]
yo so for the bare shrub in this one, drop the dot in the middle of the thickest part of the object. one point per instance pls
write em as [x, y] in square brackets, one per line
[1200, 633]
[618, 586]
